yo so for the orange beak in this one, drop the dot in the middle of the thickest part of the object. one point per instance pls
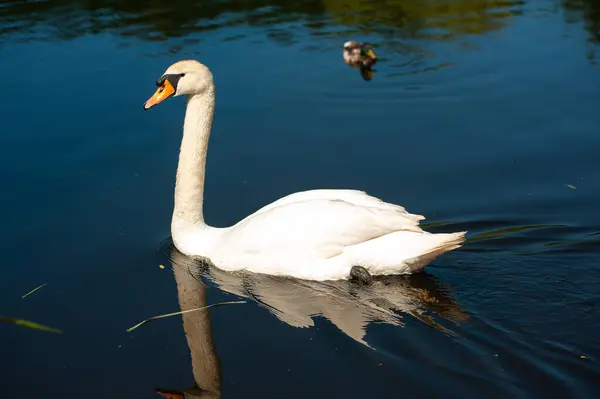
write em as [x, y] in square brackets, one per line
[162, 93]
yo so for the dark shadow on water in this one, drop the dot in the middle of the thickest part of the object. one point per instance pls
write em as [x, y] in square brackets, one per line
[391, 22]
[348, 306]
[589, 11]
[398, 26]
[158, 20]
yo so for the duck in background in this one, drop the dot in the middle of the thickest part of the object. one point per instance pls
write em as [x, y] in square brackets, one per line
[357, 54]
[360, 55]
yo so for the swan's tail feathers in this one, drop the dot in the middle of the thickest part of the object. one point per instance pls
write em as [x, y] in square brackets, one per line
[416, 217]
[444, 242]
[399, 252]
[453, 240]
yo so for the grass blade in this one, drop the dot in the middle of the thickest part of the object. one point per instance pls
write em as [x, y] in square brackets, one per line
[130, 329]
[34, 290]
[29, 324]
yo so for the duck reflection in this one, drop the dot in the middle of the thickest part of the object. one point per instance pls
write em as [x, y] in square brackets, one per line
[367, 73]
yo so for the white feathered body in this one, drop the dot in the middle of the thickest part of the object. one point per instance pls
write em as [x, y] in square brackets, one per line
[319, 235]
[316, 235]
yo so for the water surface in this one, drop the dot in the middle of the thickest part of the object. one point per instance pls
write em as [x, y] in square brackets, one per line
[482, 115]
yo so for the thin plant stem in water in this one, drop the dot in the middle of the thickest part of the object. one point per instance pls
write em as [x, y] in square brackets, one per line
[182, 312]
[29, 324]
[34, 290]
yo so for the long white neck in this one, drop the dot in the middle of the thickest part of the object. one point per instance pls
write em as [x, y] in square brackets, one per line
[189, 186]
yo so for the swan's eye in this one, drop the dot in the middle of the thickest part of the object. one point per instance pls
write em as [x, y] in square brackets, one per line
[160, 81]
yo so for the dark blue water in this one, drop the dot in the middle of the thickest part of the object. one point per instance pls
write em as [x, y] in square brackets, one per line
[481, 115]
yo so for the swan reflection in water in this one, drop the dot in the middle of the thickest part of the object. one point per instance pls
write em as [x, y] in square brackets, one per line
[191, 293]
[348, 306]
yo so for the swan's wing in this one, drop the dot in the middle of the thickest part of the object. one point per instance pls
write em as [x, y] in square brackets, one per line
[313, 229]
[355, 197]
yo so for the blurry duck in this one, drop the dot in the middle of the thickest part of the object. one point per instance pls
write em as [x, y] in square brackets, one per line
[359, 54]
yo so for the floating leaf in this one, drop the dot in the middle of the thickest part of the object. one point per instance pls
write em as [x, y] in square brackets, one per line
[29, 324]
[34, 290]
[130, 329]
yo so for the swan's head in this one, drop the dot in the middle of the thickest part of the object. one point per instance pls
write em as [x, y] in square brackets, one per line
[183, 77]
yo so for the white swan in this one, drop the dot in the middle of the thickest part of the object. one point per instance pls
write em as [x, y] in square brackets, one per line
[314, 235]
